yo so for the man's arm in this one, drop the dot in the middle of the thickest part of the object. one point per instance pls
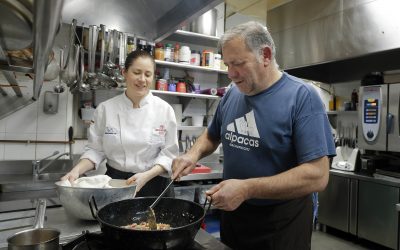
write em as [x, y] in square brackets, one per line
[184, 164]
[304, 179]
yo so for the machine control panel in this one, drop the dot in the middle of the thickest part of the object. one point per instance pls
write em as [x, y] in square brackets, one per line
[371, 112]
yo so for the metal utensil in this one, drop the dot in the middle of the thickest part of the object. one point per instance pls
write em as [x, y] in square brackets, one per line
[151, 216]
[59, 88]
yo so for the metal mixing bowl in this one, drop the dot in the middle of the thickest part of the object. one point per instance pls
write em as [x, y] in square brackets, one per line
[75, 200]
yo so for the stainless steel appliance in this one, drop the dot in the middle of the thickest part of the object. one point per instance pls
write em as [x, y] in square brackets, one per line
[379, 131]
[379, 115]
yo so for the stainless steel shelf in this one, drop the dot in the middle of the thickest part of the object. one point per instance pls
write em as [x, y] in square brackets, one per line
[190, 67]
[193, 95]
[194, 38]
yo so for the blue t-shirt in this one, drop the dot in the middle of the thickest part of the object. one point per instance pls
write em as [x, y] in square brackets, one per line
[273, 131]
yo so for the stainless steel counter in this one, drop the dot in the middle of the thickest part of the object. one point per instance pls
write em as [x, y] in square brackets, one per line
[386, 180]
[70, 227]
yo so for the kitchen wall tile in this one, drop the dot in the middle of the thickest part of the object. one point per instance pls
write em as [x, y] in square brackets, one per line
[24, 120]
[52, 136]
[19, 151]
[44, 150]
[3, 125]
[79, 146]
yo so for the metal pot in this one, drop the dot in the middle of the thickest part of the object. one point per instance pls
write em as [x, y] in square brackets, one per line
[38, 237]
[75, 199]
[185, 218]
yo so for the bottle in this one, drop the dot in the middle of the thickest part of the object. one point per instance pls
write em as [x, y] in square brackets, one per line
[176, 53]
[184, 55]
[168, 52]
[131, 45]
[354, 99]
[195, 58]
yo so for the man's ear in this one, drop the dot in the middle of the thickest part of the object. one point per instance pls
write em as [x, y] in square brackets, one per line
[267, 55]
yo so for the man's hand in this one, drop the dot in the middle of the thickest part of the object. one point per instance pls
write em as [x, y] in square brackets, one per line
[228, 194]
[182, 166]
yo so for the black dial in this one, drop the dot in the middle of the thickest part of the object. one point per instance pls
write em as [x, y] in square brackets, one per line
[370, 134]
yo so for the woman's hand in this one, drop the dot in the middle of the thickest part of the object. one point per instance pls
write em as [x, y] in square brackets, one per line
[140, 179]
[71, 175]
[82, 167]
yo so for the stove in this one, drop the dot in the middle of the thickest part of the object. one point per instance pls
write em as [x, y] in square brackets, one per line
[97, 241]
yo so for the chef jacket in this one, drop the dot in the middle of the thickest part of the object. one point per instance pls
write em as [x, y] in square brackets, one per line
[133, 139]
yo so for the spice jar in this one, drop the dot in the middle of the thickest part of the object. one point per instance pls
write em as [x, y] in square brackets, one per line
[159, 53]
[162, 85]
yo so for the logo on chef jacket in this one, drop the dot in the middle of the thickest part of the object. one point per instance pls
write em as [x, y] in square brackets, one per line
[243, 132]
[161, 130]
[110, 131]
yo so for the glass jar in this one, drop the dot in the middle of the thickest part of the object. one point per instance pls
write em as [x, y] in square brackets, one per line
[159, 52]
[131, 44]
[168, 52]
[176, 53]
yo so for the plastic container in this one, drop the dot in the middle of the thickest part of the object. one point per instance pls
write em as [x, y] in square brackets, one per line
[195, 58]
[184, 55]
[217, 61]
[197, 120]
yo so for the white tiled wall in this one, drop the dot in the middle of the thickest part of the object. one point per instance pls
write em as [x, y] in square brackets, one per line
[31, 123]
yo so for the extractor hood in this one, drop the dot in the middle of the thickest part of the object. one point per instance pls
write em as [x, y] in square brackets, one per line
[336, 40]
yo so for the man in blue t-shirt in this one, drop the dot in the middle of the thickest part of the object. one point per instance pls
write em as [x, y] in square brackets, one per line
[276, 141]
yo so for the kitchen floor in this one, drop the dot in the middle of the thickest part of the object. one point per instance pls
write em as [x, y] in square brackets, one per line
[336, 240]
[330, 240]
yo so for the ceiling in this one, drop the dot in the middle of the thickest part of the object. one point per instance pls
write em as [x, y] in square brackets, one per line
[256, 8]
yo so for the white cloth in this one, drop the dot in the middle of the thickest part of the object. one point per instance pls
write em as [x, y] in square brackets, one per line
[97, 181]
[133, 139]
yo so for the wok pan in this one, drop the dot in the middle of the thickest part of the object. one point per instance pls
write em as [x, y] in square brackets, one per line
[185, 218]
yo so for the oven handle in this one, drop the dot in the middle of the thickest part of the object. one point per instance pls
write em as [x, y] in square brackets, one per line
[389, 122]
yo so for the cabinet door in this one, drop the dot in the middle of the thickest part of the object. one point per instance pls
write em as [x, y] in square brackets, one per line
[394, 110]
[334, 203]
[377, 215]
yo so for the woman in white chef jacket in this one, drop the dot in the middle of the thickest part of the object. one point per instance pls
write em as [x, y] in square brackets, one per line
[135, 132]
